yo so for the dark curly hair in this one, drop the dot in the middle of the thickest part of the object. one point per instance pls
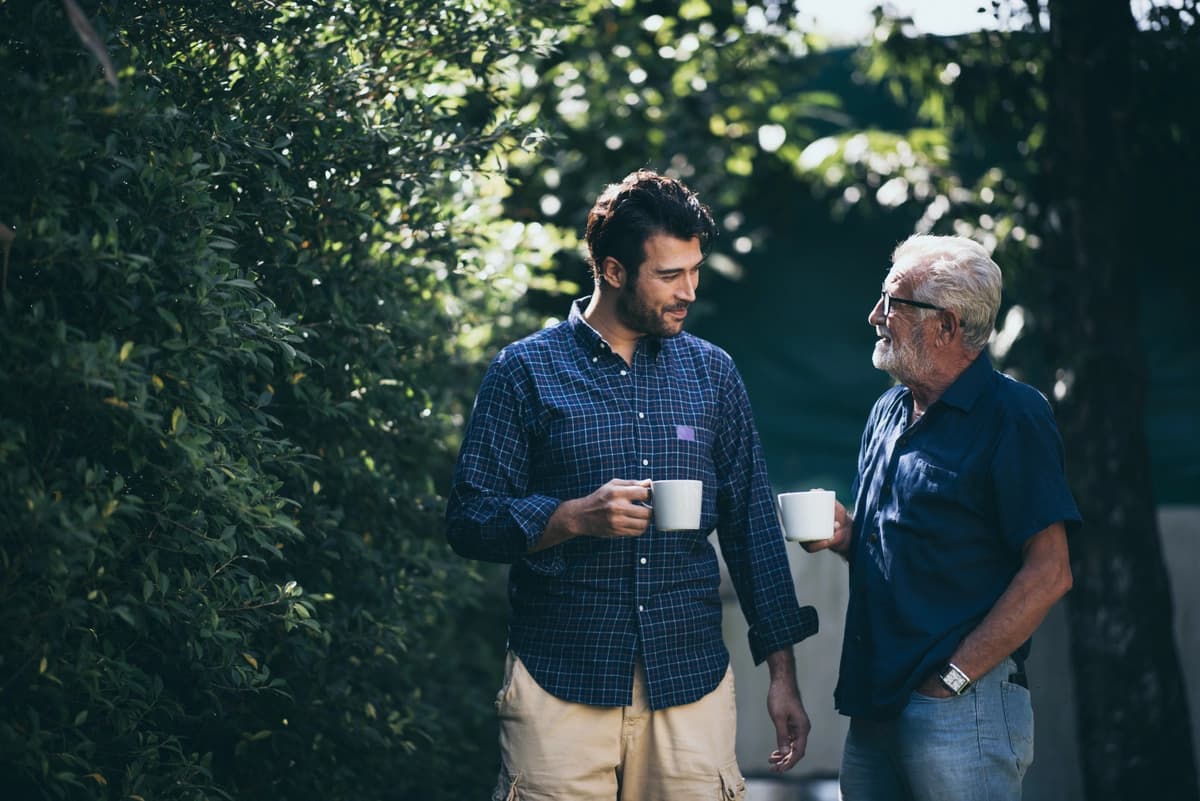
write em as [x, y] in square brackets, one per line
[642, 205]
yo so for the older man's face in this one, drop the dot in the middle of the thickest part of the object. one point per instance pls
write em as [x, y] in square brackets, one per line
[901, 350]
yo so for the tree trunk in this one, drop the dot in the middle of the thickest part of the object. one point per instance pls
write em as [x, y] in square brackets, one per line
[1131, 706]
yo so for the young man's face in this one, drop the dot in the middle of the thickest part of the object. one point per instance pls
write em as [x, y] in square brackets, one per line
[657, 302]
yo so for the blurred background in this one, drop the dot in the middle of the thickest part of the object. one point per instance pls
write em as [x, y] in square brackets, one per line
[256, 257]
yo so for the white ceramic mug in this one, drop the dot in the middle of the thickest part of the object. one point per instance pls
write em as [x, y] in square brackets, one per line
[807, 516]
[677, 504]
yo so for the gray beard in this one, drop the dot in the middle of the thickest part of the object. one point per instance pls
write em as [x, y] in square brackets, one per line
[905, 364]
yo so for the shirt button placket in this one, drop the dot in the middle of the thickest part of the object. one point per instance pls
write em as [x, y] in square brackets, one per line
[641, 437]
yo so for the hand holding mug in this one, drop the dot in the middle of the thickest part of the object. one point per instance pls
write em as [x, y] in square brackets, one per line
[616, 509]
[843, 523]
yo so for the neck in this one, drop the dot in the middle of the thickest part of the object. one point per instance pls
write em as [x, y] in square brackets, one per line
[937, 380]
[601, 314]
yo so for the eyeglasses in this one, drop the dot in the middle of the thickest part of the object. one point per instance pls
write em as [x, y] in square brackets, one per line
[887, 301]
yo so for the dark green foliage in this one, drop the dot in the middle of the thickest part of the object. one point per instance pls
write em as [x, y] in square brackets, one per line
[243, 315]
[713, 91]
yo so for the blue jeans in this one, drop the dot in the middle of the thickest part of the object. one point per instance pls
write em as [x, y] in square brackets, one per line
[972, 747]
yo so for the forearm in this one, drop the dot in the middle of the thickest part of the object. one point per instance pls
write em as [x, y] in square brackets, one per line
[1042, 581]
[616, 509]
[786, 709]
[781, 665]
[1014, 618]
[562, 526]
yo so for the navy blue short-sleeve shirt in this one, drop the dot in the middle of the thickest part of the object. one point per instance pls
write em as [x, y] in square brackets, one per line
[943, 507]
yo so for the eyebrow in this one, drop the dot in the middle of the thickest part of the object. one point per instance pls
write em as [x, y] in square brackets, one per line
[696, 266]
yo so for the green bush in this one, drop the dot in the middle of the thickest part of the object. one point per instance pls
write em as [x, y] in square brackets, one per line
[247, 297]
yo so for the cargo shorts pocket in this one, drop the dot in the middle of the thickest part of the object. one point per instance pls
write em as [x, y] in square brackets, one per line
[506, 787]
[510, 663]
[733, 785]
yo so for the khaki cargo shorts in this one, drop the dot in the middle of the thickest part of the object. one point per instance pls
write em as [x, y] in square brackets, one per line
[555, 750]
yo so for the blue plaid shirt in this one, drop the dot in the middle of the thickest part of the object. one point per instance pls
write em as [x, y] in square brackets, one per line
[558, 415]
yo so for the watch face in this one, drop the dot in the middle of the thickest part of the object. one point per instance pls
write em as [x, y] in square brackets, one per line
[954, 680]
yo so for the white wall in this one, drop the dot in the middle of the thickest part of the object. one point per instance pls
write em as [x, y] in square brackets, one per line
[1055, 776]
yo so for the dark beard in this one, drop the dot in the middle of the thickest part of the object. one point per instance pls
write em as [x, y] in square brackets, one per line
[639, 317]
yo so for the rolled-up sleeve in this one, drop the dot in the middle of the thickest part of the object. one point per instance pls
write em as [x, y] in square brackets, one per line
[490, 516]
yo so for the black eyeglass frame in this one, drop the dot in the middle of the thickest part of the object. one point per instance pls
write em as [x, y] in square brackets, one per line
[888, 300]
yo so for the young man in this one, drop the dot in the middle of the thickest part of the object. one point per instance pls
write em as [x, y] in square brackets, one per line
[957, 546]
[617, 684]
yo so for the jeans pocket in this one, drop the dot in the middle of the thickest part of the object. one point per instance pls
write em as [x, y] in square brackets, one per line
[921, 697]
[1018, 718]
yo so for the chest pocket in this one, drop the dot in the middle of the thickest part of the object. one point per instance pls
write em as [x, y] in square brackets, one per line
[683, 451]
[929, 479]
[928, 499]
[941, 518]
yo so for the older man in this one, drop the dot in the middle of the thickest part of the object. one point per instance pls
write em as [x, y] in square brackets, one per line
[957, 546]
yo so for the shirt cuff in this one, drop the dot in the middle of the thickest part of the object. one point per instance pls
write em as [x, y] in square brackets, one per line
[532, 514]
[803, 624]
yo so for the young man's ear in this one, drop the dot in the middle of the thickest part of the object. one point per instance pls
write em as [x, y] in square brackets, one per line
[612, 272]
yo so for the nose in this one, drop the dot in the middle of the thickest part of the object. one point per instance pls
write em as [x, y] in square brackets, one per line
[875, 317]
[688, 292]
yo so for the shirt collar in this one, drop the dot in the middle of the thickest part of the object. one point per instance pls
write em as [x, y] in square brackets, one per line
[967, 388]
[591, 340]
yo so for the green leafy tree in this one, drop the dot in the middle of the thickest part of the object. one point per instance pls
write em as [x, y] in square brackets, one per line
[712, 91]
[253, 257]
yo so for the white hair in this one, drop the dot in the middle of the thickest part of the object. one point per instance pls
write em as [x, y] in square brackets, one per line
[959, 274]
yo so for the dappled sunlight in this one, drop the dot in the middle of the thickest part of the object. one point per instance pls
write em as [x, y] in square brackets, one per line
[1007, 333]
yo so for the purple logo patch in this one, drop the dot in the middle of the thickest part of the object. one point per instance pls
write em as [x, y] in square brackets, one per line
[685, 432]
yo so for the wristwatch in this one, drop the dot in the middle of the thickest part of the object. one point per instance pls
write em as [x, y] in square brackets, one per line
[954, 679]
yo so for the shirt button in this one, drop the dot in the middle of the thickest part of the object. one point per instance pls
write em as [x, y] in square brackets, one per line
[874, 536]
[641, 608]
[642, 560]
[641, 415]
[645, 462]
[595, 358]
[624, 372]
